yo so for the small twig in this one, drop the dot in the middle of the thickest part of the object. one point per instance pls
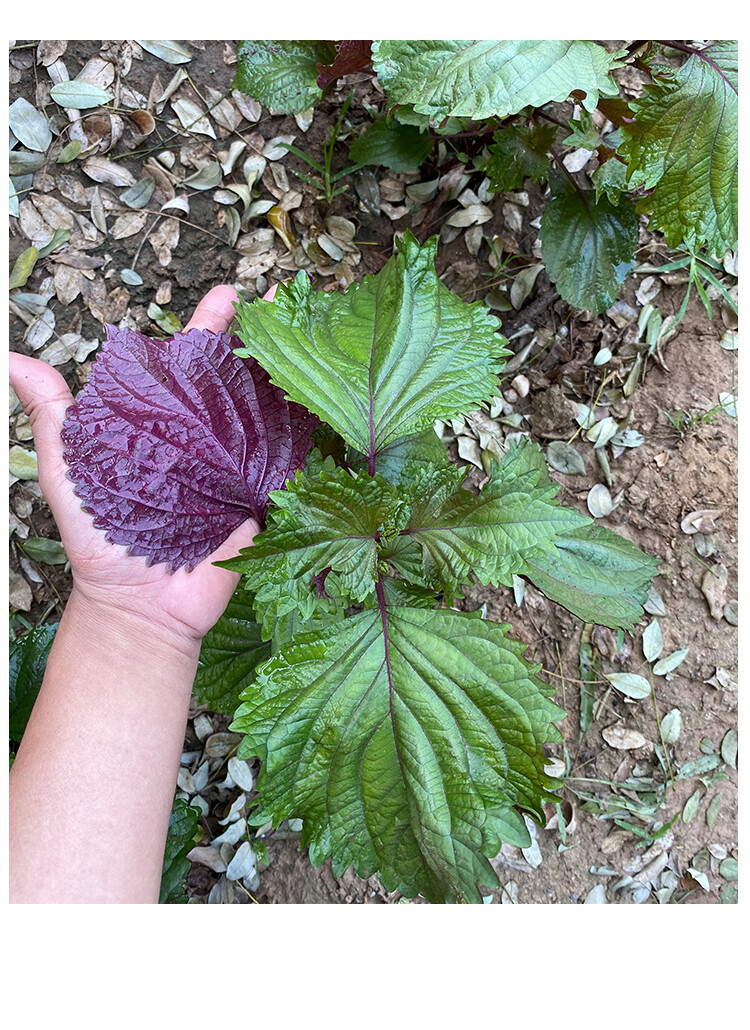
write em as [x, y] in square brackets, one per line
[238, 883]
[145, 237]
[557, 675]
[183, 221]
[560, 674]
[549, 118]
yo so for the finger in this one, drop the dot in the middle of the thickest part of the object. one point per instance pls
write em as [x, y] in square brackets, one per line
[270, 294]
[216, 311]
[45, 397]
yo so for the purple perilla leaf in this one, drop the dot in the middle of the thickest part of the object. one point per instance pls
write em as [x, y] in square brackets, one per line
[174, 443]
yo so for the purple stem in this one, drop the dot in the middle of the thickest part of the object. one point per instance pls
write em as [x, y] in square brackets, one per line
[674, 44]
[559, 162]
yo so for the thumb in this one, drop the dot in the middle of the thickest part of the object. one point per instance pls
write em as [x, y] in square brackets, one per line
[45, 397]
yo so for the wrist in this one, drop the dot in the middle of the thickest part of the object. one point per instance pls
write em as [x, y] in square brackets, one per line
[122, 631]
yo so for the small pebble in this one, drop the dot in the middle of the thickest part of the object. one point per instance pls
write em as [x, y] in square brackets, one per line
[521, 385]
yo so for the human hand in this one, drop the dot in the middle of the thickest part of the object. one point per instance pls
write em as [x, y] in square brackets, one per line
[184, 605]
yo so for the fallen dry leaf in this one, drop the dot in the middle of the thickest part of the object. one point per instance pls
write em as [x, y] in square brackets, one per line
[98, 216]
[50, 50]
[164, 239]
[98, 72]
[623, 739]
[614, 841]
[100, 169]
[700, 521]
[33, 226]
[67, 282]
[714, 587]
[164, 293]
[19, 595]
[144, 120]
[129, 224]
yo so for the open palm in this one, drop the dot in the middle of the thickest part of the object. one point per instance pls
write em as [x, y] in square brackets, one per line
[188, 603]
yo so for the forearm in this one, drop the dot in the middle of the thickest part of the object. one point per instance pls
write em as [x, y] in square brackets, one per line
[93, 782]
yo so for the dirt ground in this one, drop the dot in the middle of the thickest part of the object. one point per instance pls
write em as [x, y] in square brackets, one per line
[674, 472]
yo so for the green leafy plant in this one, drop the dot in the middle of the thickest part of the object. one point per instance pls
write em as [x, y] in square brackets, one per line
[684, 422]
[182, 834]
[672, 153]
[406, 734]
[282, 73]
[682, 145]
[27, 662]
[328, 179]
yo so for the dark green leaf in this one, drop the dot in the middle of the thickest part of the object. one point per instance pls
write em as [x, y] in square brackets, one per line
[518, 152]
[515, 515]
[382, 360]
[24, 162]
[332, 521]
[595, 574]
[683, 147]
[389, 143]
[393, 762]
[182, 835]
[44, 549]
[482, 78]
[282, 622]
[28, 660]
[229, 654]
[406, 114]
[59, 237]
[282, 73]
[588, 247]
